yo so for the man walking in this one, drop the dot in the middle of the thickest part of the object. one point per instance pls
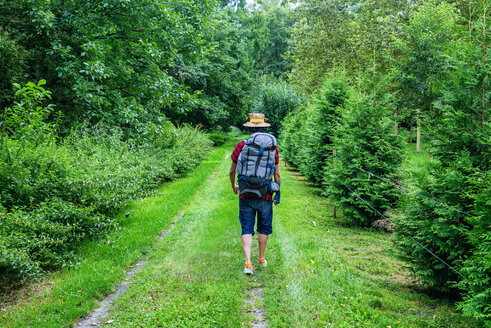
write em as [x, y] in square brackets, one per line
[255, 161]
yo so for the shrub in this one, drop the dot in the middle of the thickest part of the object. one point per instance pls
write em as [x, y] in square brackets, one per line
[365, 139]
[218, 138]
[308, 134]
[291, 137]
[276, 99]
[53, 195]
[235, 131]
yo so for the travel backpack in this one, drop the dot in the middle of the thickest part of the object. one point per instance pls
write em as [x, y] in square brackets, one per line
[256, 165]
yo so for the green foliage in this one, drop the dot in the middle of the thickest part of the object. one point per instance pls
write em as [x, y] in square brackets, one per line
[115, 61]
[53, 195]
[218, 138]
[308, 135]
[460, 177]
[424, 47]
[362, 134]
[273, 26]
[103, 262]
[355, 34]
[133, 64]
[12, 57]
[424, 61]
[244, 46]
[26, 119]
[276, 98]
[290, 136]
[365, 139]
[225, 77]
[57, 196]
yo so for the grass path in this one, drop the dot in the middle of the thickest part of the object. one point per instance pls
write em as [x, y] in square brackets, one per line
[64, 296]
[320, 273]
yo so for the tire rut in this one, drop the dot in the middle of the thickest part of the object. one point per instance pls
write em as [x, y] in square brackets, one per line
[98, 317]
[257, 296]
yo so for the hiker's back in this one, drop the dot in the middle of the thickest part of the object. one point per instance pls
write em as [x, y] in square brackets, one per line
[257, 158]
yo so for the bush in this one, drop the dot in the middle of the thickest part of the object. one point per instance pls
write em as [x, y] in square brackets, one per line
[276, 99]
[312, 129]
[365, 139]
[218, 138]
[54, 195]
[291, 137]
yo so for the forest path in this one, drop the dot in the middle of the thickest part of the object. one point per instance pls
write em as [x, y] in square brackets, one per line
[320, 274]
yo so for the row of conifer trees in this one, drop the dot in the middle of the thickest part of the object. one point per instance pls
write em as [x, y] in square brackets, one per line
[344, 141]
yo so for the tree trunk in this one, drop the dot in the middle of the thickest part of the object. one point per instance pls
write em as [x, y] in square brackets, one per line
[396, 125]
[411, 134]
[418, 138]
[334, 160]
[483, 90]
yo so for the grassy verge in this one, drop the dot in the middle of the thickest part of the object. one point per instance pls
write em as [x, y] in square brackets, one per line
[336, 276]
[62, 297]
[415, 165]
[194, 278]
[320, 273]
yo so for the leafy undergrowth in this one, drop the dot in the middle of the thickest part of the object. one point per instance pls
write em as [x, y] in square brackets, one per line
[338, 276]
[320, 273]
[55, 195]
[60, 298]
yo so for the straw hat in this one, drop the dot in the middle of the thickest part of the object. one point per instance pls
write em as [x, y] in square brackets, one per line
[256, 120]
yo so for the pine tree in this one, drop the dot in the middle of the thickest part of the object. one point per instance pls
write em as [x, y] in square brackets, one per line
[459, 232]
[365, 139]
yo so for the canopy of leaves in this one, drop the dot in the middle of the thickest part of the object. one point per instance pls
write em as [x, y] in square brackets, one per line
[115, 61]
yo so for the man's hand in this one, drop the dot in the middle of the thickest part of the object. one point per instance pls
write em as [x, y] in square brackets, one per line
[236, 189]
[276, 199]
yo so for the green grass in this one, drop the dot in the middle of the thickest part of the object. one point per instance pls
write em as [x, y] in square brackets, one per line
[415, 165]
[413, 158]
[342, 276]
[194, 277]
[62, 297]
[320, 273]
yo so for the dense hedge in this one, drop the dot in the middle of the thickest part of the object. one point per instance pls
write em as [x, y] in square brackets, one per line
[56, 193]
[459, 176]
[340, 116]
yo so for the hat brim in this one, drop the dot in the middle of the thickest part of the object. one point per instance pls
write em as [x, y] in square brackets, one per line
[256, 125]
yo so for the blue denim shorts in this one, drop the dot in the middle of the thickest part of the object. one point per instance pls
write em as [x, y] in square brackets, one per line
[249, 208]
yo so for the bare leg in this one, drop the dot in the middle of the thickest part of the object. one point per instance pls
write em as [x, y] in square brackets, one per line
[246, 247]
[262, 240]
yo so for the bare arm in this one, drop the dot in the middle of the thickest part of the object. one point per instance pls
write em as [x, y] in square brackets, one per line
[232, 177]
[277, 177]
